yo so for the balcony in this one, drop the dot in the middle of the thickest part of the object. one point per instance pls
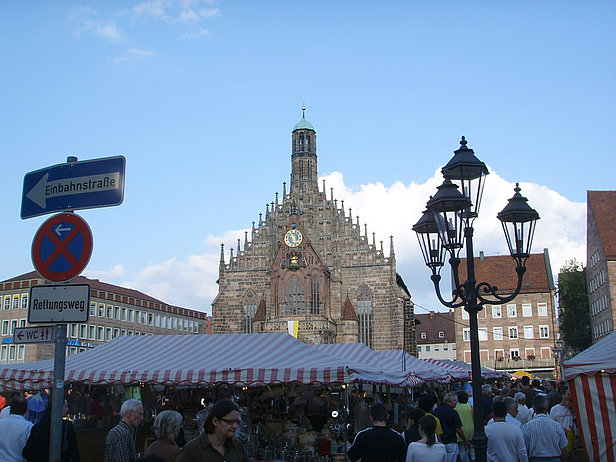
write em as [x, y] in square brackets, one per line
[512, 365]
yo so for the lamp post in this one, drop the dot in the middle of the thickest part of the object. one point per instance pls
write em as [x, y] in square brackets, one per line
[559, 349]
[446, 227]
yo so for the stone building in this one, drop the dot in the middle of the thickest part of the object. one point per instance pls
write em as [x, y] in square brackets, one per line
[520, 334]
[308, 267]
[601, 262]
[114, 311]
[436, 335]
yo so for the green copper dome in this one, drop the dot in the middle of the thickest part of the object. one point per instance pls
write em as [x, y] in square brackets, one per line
[303, 125]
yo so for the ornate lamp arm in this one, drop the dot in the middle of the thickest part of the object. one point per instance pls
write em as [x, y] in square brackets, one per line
[436, 278]
[492, 290]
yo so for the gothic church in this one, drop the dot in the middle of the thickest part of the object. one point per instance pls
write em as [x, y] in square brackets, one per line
[307, 261]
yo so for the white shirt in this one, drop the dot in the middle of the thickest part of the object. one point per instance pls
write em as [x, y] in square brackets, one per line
[509, 419]
[562, 415]
[505, 443]
[5, 412]
[524, 413]
[15, 430]
[421, 452]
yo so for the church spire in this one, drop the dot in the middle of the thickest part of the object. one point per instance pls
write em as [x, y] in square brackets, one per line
[304, 158]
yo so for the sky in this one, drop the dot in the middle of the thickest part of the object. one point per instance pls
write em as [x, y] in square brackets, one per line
[201, 97]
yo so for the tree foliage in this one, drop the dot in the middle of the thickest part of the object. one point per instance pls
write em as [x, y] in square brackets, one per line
[574, 318]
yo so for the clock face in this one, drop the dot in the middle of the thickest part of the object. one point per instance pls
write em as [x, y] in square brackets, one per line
[293, 238]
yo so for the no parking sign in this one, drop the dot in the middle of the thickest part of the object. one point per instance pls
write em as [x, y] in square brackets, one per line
[62, 247]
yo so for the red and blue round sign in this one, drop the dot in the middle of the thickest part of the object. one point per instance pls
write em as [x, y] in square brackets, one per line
[62, 247]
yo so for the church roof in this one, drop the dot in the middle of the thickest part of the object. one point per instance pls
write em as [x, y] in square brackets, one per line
[303, 124]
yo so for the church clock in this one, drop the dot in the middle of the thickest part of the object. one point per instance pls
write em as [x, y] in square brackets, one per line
[293, 238]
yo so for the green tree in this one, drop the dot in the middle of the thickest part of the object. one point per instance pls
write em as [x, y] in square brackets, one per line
[574, 318]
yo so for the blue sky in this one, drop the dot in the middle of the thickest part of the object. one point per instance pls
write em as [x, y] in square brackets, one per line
[201, 96]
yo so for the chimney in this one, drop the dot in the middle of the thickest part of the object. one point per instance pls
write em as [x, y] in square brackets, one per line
[431, 314]
[482, 257]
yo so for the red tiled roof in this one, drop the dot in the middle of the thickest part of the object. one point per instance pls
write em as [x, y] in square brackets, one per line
[603, 207]
[432, 324]
[499, 271]
[99, 286]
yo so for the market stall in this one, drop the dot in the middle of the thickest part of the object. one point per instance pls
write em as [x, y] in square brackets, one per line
[294, 398]
[486, 372]
[591, 377]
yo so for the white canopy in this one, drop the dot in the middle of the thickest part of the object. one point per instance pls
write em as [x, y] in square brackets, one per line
[601, 357]
[239, 359]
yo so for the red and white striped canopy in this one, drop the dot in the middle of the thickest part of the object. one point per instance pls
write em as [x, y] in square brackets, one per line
[387, 360]
[457, 372]
[591, 377]
[239, 359]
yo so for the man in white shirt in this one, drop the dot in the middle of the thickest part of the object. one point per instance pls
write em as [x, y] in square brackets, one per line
[524, 413]
[545, 438]
[15, 430]
[505, 440]
[512, 411]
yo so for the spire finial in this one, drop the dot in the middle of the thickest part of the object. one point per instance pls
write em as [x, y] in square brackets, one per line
[304, 107]
[463, 142]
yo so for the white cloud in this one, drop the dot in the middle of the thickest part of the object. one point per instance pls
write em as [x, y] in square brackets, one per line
[195, 35]
[133, 54]
[388, 210]
[176, 11]
[87, 19]
[113, 274]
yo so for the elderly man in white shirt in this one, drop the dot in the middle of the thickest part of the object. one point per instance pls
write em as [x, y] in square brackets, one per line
[512, 411]
[15, 430]
[524, 413]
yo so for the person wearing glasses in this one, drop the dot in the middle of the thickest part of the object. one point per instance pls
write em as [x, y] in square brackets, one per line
[217, 443]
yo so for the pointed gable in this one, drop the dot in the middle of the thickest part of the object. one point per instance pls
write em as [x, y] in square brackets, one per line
[348, 312]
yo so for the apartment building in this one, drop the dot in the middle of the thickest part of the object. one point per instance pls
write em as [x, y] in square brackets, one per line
[601, 262]
[520, 334]
[436, 335]
[114, 311]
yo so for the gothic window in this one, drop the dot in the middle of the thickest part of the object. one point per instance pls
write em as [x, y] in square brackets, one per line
[301, 142]
[294, 298]
[301, 169]
[315, 296]
[307, 145]
[364, 314]
[250, 308]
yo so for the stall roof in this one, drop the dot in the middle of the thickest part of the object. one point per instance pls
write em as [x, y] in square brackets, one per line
[389, 360]
[240, 359]
[486, 372]
[600, 357]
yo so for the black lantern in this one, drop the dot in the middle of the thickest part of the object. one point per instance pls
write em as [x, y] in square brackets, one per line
[448, 208]
[430, 243]
[519, 221]
[469, 174]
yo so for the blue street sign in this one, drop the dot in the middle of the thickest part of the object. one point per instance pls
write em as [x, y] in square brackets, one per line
[73, 186]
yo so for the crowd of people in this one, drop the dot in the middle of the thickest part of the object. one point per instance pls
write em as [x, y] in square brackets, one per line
[527, 421]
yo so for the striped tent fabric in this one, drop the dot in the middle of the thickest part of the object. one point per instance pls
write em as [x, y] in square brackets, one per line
[457, 372]
[388, 360]
[239, 359]
[486, 372]
[591, 376]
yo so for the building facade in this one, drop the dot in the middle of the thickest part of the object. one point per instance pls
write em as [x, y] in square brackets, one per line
[520, 334]
[308, 266]
[601, 262]
[114, 311]
[436, 335]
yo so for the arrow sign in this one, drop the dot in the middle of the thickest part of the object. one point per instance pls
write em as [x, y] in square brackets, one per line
[42, 334]
[73, 186]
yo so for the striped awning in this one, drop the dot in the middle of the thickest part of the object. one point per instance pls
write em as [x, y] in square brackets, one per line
[239, 359]
[418, 371]
[457, 372]
[591, 377]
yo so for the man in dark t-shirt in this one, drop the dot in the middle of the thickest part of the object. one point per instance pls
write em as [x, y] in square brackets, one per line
[451, 424]
[378, 443]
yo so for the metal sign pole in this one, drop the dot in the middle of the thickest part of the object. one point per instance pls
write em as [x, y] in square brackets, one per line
[57, 397]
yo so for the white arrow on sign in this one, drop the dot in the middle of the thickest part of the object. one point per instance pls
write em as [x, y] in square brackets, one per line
[44, 189]
[59, 229]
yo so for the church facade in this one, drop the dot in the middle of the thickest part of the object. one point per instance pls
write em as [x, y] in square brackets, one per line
[308, 267]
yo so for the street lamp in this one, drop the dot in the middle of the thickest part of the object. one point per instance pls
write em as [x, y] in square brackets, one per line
[446, 227]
